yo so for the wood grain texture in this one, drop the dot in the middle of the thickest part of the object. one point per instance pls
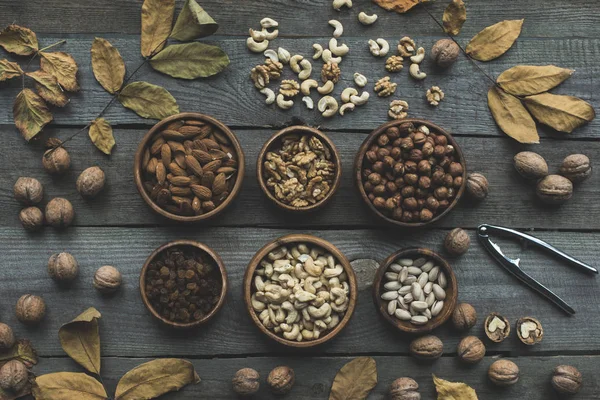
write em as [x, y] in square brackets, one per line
[128, 330]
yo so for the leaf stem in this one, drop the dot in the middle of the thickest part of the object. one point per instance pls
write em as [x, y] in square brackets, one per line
[53, 45]
[37, 53]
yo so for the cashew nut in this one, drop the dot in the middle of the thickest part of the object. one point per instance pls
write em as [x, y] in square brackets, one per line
[338, 28]
[306, 69]
[340, 308]
[419, 57]
[309, 264]
[326, 88]
[283, 103]
[328, 107]
[384, 45]
[268, 270]
[360, 100]
[287, 280]
[338, 50]
[303, 249]
[272, 54]
[339, 296]
[360, 79]
[257, 305]
[328, 56]
[304, 296]
[277, 254]
[268, 23]
[257, 47]
[285, 327]
[333, 272]
[310, 104]
[308, 284]
[321, 324]
[294, 63]
[308, 335]
[282, 266]
[270, 98]
[367, 19]
[335, 320]
[320, 312]
[284, 55]
[259, 283]
[346, 93]
[416, 73]
[291, 335]
[318, 51]
[257, 36]
[300, 272]
[270, 35]
[346, 107]
[338, 4]
[329, 257]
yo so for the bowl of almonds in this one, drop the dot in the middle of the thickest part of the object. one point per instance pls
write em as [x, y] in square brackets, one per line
[410, 172]
[189, 167]
[415, 290]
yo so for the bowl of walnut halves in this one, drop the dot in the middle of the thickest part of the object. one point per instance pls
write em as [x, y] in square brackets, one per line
[299, 169]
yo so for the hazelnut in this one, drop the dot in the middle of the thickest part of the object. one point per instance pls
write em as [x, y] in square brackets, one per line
[59, 212]
[503, 373]
[411, 167]
[566, 379]
[471, 350]
[383, 140]
[427, 149]
[56, 161]
[371, 156]
[405, 128]
[455, 169]
[464, 317]
[90, 182]
[374, 178]
[576, 168]
[419, 138]
[379, 202]
[441, 193]
[497, 327]
[405, 389]
[425, 215]
[107, 279]
[530, 165]
[246, 382]
[457, 242]
[410, 204]
[7, 337]
[416, 155]
[441, 140]
[13, 376]
[31, 218]
[427, 348]
[281, 380]
[445, 52]
[30, 309]
[407, 144]
[477, 186]
[424, 182]
[411, 179]
[529, 330]
[63, 267]
[432, 204]
[393, 132]
[554, 189]
[28, 191]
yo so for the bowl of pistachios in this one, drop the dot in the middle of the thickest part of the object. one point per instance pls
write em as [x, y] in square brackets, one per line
[415, 290]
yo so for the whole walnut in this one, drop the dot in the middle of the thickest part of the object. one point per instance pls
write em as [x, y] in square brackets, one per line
[59, 212]
[471, 350]
[281, 380]
[464, 317]
[107, 279]
[28, 191]
[7, 337]
[477, 186]
[457, 242]
[13, 376]
[427, 348]
[246, 382]
[32, 218]
[554, 189]
[63, 267]
[566, 379]
[445, 52]
[503, 373]
[30, 309]
[405, 389]
[576, 168]
[90, 182]
[56, 161]
[530, 165]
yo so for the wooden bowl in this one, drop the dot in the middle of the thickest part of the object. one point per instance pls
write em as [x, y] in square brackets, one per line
[292, 239]
[275, 140]
[449, 302]
[216, 259]
[137, 169]
[360, 156]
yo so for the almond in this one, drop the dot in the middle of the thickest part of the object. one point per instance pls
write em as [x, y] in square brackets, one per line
[217, 154]
[226, 170]
[176, 169]
[176, 146]
[189, 146]
[156, 145]
[175, 125]
[180, 160]
[161, 173]
[195, 122]
[197, 206]
[194, 165]
[208, 206]
[151, 167]
[145, 158]
[165, 154]
[221, 137]
[180, 180]
[207, 178]
[231, 162]
[172, 135]
[202, 156]
[201, 192]
[189, 130]
[211, 144]
[199, 145]
[219, 185]
[212, 166]
[163, 197]
[180, 191]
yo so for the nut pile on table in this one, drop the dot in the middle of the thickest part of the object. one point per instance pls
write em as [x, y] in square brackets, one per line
[300, 292]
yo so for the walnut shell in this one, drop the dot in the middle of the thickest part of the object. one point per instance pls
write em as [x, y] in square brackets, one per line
[427, 348]
[529, 330]
[30, 309]
[503, 373]
[13, 376]
[59, 212]
[566, 379]
[281, 380]
[90, 182]
[28, 191]
[471, 350]
[32, 218]
[246, 382]
[497, 327]
[576, 168]
[530, 165]
[7, 337]
[464, 317]
[554, 189]
[445, 52]
[56, 161]
[404, 389]
[457, 242]
[107, 279]
[63, 267]
[477, 186]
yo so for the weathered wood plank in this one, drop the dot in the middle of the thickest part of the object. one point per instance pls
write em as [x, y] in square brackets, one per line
[511, 201]
[231, 97]
[129, 330]
[314, 376]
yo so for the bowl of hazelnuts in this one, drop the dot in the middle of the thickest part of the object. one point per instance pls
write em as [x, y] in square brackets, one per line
[410, 172]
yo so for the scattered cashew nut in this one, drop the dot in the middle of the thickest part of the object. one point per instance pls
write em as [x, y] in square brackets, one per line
[270, 35]
[270, 95]
[306, 69]
[338, 4]
[360, 79]
[326, 88]
[366, 19]
[379, 47]
[346, 93]
[283, 103]
[257, 47]
[328, 106]
[347, 107]
[258, 36]
[284, 55]
[294, 63]
[416, 73]
[338, 28]
[318, 51]
[328, 56]
[268, 23]
[419, 57]
[308, 84]
[360, 100]
[272, 54]
[338, 50]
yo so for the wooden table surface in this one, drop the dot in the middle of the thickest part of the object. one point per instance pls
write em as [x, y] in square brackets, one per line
[119, 229]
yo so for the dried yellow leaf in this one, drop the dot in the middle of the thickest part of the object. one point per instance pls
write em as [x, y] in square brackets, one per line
[9, 70]
[563, 113]
[190, 60]
[355, 380]
[101, 134]
[108, 65]
[447, 390]
[63, 67]
[400, 6]
[80, 338]
[148, 100]
[525, 80]
[193, 23]
[18, 40]
[494, 40]
[157, 18]
[454, 17]
[30, 113]
[512, 117]
[48, 88]
[68, 386]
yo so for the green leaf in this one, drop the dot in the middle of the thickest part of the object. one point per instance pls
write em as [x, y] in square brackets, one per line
[18, 40]
[563, 113]
[148, 100]
[107, 65]
[68, 386]
[48, 88]
[525, 80]
[190, 60]
[101, 134]
[30, 113]
[9, 70]
[193, 23]
[80, 339]
[157, 17]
